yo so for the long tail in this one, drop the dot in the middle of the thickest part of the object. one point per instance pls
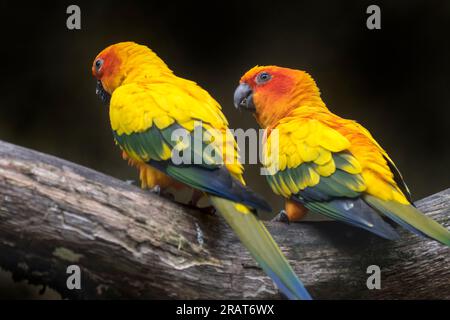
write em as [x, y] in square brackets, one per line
[255, 237]
[410, 218]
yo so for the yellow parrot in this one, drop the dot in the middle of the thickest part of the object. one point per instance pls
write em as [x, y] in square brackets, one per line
[149, 106]
[325, 163]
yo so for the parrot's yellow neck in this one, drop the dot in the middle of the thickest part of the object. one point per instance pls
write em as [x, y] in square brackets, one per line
[147, 73]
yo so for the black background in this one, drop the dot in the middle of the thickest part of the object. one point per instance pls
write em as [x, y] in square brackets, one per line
[395, 81]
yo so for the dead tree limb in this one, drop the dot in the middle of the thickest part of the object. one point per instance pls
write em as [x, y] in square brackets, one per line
[133, 244]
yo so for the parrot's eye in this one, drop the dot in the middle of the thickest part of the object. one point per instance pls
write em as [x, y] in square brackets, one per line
[98, 64]
[263, 77]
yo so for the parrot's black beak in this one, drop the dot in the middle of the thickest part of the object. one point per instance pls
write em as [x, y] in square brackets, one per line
[101, 92]
[243, 97]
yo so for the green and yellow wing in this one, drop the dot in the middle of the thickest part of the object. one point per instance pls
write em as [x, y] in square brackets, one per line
[316, 169]
[148, 130]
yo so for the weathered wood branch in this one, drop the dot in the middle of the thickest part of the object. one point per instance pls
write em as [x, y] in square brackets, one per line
[133, 244]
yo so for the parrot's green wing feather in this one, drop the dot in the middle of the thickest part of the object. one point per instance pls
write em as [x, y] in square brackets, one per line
[216, 181]
[148, 130]
[144, 145]
[328, 179]
[318, 171]
[354, 212]
[336, 196]
[410, 218]
[155, 146]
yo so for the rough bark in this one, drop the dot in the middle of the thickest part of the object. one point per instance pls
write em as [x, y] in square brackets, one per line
[130, 243]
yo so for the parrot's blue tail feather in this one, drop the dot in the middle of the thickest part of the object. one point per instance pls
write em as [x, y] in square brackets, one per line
[255, 237]
[411, 219]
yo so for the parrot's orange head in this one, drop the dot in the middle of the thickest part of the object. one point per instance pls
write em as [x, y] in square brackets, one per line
[125, 62]
[272, 92]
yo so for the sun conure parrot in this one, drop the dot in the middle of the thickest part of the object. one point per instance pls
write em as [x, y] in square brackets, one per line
[148, 103]
[325, 163]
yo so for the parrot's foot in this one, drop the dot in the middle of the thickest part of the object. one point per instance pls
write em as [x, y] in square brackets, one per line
[156, 190]
[195, 198]
[210, 210]
[282, 217]
[130, 182]
[160, 192]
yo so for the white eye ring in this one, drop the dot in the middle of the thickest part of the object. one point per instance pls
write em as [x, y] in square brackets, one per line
[263, 77]
[98, 64]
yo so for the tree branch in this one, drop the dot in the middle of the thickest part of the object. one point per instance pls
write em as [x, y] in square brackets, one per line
[133, 244]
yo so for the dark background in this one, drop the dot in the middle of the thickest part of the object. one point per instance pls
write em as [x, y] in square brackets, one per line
[395, 81]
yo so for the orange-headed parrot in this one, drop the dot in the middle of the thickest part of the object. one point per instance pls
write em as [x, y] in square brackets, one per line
[325, 163]
[149, 106]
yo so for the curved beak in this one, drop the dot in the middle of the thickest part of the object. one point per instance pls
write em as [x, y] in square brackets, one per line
[243, 97]
[101, 92]
[98, 88]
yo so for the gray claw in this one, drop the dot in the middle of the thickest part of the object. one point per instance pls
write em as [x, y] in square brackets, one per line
[156, 190]
[281, 217]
